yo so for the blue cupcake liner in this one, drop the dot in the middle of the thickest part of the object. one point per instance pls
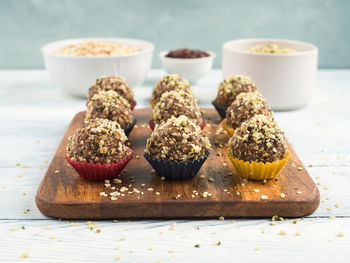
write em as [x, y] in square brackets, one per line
[129, 127]
[175, 170]
[220, 109]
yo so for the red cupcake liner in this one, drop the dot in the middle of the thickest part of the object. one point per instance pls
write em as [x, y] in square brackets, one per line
[133, 104]
[152, 125]
[96, 171]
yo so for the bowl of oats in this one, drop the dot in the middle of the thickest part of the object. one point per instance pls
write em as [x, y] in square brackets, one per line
[283, 70]
[76, 63]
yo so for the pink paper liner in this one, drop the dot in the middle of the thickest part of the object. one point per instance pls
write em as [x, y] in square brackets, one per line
[151, 124]
[96, 171]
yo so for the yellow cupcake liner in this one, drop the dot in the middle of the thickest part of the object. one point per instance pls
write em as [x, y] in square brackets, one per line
[258, 170]
[153, 104]
[229, 130]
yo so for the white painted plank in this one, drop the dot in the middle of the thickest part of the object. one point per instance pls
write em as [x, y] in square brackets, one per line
[239, 241]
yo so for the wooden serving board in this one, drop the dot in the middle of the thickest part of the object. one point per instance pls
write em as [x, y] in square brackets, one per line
[63, 194]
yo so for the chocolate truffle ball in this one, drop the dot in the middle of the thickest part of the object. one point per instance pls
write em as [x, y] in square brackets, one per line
[176, 103]
[115, 83]
[98, 141]
[231, 86]
[109, 105]
[177, 139]
[259, 139]
[245, 106]
[168, 83]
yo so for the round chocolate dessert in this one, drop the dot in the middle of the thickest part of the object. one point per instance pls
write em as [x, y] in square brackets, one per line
[231, 86]
[109, 105]
[177, 139]
[168, 83]
[258, 140]
[98, 141]
[176, 103]
[245, 106]
[115, 83]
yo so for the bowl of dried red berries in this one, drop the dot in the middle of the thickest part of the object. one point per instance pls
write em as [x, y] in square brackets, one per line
[191, 64]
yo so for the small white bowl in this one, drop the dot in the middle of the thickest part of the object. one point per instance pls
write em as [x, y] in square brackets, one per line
[287, 81]
[189, 68]
[75, 74]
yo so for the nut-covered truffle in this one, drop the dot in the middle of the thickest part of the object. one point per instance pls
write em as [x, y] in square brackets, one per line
[177, 139]
[245, 106]
[176, 103]
[109, 105]
[98, 141]
[168, 83]
[115, 83]
[258, 140]
[231, 86]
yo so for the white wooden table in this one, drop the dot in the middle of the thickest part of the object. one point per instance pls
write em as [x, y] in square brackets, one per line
[33, 118]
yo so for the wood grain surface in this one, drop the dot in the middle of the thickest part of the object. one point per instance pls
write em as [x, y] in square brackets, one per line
[66, 195]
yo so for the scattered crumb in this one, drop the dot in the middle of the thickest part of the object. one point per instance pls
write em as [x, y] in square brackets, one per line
[336, 205]
[283, 233]
[257, 248]
[197, 246]
[170, 251]
[264, 197]
[221, 218]
[25, 255]
[282, 195]
[298, 234]
[211, 179]
[53, 237]
[340, 234]
[172, 227]
[299, 192]
[117, 258]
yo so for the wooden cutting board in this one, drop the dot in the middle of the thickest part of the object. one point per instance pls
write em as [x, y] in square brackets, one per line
[63, 194]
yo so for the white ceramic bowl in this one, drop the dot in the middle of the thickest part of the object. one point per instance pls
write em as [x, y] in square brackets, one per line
[75, 74]
[287, 81]
[189, 68]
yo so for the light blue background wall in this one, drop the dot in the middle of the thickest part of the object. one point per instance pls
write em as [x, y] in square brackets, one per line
[26, 25]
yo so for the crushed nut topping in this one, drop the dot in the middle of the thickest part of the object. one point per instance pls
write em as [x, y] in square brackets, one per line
[176, 103]
[259, 139]
[98, 141]
[272, 49]
[231, 86]
[109, 105]
[168, 83]
[245, 106]
[177, 139]
[116, 83]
